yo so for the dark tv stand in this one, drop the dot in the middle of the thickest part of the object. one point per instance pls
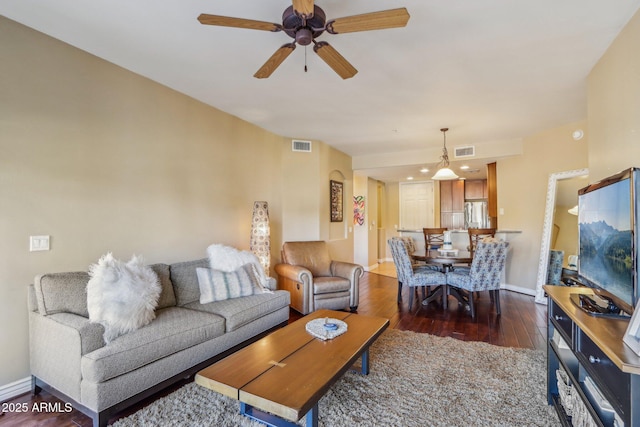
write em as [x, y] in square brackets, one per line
[588, 352]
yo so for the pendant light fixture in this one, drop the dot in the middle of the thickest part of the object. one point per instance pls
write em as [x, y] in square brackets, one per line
[444, 173]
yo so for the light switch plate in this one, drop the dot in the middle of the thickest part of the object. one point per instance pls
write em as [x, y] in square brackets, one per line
[38, 243]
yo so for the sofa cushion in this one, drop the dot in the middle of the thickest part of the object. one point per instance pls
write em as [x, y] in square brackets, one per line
[327, 285]
[241, 311]
[62, 293]
[174, 329]
[185, 280]
[216, 285]
[312, 255]
[167, 296]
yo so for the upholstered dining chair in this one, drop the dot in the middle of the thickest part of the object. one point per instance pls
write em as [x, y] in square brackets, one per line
[415, 276]
[433, 238]
[484, 274]
[410, 244]
[476, 235]
[316, 281]
[554, 270]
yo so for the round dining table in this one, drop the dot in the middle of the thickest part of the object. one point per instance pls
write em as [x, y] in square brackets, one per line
[446, 260]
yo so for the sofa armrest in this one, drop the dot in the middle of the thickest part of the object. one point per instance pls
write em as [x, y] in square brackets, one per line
[57, 344]
[350, 271]
[295, 272]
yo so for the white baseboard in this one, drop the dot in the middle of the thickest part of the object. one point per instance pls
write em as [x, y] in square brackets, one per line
[371, 267]
[16, 388]
[519, 289]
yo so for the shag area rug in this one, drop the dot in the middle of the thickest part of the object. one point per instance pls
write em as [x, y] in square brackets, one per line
[415, 380]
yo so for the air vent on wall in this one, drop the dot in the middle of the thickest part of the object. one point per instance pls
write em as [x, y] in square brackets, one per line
[469, 151]
[297, 145]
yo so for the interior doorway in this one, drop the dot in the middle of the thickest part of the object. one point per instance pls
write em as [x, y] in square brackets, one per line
[416, 205]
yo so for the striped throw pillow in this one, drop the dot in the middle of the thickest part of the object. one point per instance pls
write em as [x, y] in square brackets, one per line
[216, 285]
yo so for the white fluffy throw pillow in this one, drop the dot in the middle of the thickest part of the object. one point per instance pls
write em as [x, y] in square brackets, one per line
[228, 259]
[121, 296]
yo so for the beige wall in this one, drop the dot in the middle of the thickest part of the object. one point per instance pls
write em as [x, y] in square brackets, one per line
[365, 247]
[306, 201]
[391, 218]
[372, 221]
[365, 236]
[337, 166]
[522, 191]
[614, 105]
[301, 207]
[104, 160]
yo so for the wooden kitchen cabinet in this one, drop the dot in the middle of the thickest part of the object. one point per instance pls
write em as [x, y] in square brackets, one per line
[452, 196]
[452, 204]
[475, 189]
[492, 194]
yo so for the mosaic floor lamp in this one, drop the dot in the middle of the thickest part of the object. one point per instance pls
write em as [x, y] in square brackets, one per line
[260, 243]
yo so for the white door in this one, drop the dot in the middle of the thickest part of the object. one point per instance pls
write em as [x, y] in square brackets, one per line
[416, 205]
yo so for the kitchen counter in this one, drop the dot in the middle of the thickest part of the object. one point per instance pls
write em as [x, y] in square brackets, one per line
[459, 238]
[463, 231]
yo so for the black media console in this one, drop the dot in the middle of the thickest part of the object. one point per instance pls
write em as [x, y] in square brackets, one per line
[591, 374]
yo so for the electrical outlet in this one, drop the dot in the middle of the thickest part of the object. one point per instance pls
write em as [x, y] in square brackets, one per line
[38, 243]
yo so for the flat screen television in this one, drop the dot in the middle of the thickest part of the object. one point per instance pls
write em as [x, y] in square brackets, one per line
[607, 229]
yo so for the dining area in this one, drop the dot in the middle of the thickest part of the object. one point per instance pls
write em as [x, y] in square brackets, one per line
[442, 272]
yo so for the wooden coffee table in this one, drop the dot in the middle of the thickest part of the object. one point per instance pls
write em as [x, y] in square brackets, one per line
[281, 377]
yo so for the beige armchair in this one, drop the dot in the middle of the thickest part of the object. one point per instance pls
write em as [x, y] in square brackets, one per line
[314, 280]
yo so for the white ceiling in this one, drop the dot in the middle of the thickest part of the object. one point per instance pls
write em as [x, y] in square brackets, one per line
[490, 70]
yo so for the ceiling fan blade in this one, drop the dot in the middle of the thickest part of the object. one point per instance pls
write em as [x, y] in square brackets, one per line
[334, 60]
[303, 8]
[274, 62]
[369, 21]
[227, 21]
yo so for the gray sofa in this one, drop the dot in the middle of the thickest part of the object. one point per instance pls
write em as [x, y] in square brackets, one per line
[70, 359]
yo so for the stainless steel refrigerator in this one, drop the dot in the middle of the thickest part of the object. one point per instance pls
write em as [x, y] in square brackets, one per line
[476, 215]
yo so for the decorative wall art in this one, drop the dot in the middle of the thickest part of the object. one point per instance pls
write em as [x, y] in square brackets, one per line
[336, 201]
[358, 210]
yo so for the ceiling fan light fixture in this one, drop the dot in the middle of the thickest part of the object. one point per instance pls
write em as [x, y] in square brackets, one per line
[444, 173]
[304, 36]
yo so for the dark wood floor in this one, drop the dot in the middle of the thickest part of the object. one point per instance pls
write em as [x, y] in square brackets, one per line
[521, 324]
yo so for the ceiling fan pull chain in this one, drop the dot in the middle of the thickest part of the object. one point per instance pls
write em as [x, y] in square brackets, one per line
[305, 59]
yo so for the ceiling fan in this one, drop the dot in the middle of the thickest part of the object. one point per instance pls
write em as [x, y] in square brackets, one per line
[304, 22]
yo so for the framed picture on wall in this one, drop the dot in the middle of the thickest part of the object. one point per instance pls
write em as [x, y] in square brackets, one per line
[336, 200]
